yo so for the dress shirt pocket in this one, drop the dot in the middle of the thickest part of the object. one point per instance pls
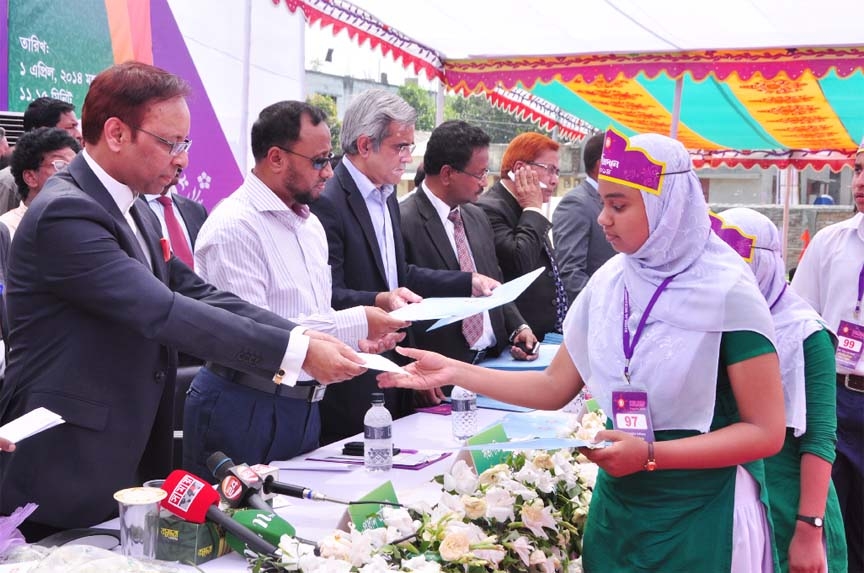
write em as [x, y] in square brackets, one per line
[74, 410]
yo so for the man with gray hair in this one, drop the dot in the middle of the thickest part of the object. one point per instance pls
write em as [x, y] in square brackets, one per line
[360, 214]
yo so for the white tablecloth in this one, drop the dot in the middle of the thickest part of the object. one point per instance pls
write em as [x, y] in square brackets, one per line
[315, 519]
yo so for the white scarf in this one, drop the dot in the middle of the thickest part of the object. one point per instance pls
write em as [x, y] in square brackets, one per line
[713, 292]
[794, 319]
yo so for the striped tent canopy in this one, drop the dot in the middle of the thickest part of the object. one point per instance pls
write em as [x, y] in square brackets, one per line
[734, 96]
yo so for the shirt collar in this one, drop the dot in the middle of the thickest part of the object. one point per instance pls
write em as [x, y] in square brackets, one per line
[591, 182]
[123, 196]
[364, 184]
[440, 206]
[154, 198]
[263, 199]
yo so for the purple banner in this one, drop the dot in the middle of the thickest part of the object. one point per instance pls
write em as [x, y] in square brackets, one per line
[212, 173]
[4, 54]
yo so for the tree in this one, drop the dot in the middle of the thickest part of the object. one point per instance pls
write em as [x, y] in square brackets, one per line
[328, 105]
[423, 102]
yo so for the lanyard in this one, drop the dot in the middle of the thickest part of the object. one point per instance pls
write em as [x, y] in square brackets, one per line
[860, 292]
[779, 296]
[628, 347]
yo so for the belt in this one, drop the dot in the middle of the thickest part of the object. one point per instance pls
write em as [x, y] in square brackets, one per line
[310, 393]
[851, 381]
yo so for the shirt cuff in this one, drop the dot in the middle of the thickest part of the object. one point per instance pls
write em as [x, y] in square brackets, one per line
[295, 354]
[352, 326]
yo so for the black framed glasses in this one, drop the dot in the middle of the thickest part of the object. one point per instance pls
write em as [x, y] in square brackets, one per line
[479, 176]
[176, 147]
[318, 163]
[551, 169]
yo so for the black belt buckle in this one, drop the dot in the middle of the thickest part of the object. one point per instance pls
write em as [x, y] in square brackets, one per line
[316, 393]
[853, 382]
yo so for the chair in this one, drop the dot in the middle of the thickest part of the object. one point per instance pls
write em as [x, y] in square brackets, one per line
[185, 374]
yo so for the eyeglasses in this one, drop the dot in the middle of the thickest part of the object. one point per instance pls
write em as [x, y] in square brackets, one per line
[551, 169]
[58, 164]
[177, 147]
[479, 177]
[318, 163]
[402, 148]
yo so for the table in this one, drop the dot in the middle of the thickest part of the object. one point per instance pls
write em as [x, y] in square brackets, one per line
[315, 519]
[507, 362]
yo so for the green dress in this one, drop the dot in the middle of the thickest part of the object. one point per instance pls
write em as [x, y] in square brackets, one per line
[674, 520]
[784, 469]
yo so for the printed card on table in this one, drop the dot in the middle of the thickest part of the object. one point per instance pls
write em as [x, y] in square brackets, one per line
[368, 515]
[484, 459]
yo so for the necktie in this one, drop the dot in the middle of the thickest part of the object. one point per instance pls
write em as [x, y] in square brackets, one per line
[175, 232]
[560, 294]
[472, 327]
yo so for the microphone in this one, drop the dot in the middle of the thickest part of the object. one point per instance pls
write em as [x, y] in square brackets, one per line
[192, 499]
[239, 485]
[273, 486]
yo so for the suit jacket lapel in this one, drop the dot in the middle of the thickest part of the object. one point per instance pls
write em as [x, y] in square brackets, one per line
[435, 229]
[87, 181]
[141, 213]
[358, 207]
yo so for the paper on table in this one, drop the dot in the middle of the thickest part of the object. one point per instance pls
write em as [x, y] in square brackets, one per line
[378, 362]
[30, 423]
[454, 309]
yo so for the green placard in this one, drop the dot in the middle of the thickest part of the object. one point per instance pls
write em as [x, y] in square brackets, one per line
[591, 405]
[368, 515]
[485, 459]
[56, 48]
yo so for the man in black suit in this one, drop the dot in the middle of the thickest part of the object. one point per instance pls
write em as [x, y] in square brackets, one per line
[522, 230]
[444, 230]
[360, 214]
[192, 215]
[98, 308]
[580, 244]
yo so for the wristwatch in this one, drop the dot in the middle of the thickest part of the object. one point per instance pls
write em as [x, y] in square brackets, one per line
[650, 464]
[515, 333]
[814, 521]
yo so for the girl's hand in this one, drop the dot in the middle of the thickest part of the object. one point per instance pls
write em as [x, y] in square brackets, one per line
[626, 455]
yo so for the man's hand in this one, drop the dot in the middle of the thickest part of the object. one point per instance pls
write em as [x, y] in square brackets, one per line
[381, 323]
[396, 299]
[428, 398]
[6, 445]
[481, 285]
[383, 344]
[525, 339]
[329, 360]
[527, 188]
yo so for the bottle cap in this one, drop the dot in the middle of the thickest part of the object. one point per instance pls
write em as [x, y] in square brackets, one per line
[377, 397]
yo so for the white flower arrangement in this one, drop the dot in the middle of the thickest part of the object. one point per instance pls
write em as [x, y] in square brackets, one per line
[524, 515]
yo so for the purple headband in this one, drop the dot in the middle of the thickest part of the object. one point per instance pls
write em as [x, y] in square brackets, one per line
[628, 165]
[741, 242]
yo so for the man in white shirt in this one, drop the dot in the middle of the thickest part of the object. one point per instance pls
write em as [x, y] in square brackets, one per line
[263, 244]
[98, 309]
[830, 279]
[38, 155]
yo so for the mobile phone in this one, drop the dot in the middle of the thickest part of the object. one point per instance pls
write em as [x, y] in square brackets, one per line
[524, 347]
[356, 449]
[513, 178]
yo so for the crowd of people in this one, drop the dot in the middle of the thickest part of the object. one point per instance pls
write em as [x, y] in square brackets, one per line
[112, 279]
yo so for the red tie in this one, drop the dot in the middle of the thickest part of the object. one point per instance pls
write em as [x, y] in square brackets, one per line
[175, 232]
[472, 327]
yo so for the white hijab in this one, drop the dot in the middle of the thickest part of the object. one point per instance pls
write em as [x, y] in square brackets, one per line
[713, 292]
[794, 319]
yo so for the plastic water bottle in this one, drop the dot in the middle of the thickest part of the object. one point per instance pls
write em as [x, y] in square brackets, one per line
[377, 436]
[463, 412]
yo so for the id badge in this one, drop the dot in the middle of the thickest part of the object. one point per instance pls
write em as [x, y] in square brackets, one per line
[850, 340]
[630, 411]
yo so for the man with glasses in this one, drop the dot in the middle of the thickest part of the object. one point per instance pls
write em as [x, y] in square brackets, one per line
[360, 214]
[98, 308]
[264, 245]
[42, 112]
[38, 155]
[513, 206]
[443, 229]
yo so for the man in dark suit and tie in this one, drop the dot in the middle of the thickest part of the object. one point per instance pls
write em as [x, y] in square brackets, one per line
[444, 230]
[580, 244]
[180, 217]
[522, 230]
[98, 308]
[360, 215]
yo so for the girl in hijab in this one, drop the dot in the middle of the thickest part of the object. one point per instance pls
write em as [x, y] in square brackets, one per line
[808, 528]
[673, 339]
